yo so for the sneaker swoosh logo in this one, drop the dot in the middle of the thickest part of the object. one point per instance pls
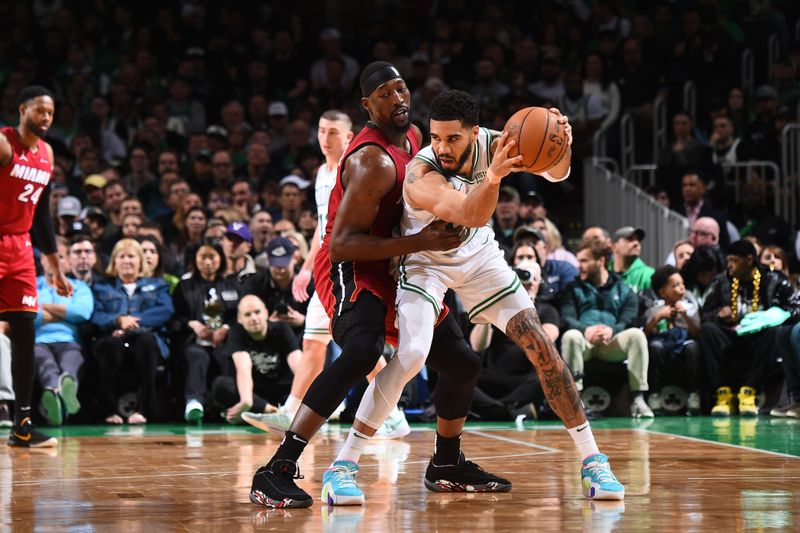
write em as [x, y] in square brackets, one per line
[584, 427]
[25, 438]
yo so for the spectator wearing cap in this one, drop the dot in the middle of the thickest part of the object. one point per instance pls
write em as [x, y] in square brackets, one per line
[694, 206]
[330, 41]
[734, 359]
[237, 243]
[626, 261]
[760, 138]
[599, 309]
[274, 285]
[531, 207]
[217, 138]
[556, 275]
[69, 207]
[96, 219]
[291, 197]
[278, 113]
[93, 189]
[506, 217]
[200, 177]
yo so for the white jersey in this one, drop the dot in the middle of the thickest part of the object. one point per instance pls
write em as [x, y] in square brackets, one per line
[326, 181]
[414, 220]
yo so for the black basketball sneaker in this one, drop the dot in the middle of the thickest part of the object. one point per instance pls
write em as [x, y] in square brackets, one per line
[274, 486]
[464, 476]
[25, 435]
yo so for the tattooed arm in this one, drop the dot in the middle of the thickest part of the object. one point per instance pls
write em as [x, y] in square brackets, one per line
[525, 329]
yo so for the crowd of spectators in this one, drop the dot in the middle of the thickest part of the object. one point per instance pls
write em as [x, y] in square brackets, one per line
[186, 154]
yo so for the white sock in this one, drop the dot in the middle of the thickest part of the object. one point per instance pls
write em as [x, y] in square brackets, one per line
[353, 446]
[292, 405]
[584, 440]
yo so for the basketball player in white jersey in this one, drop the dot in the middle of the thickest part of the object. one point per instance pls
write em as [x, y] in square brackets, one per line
[457, 179]
[334, 134]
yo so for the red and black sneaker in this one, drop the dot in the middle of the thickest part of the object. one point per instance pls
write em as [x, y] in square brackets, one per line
[274, 486]
[25, 435]
[464, 476]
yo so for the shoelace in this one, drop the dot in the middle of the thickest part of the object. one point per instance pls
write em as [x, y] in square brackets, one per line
[602, 471]
[344, 477]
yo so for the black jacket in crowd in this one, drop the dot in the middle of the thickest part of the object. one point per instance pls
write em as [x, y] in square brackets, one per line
[189, 301]
[775, 291]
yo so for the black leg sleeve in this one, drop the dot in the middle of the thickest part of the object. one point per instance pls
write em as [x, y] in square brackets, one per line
[22, 335]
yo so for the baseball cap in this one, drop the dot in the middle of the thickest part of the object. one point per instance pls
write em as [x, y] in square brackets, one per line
[278, 109]
[532, 197]
[280, 252]
[742, 248]
[330, 33]
[217, 130]
[95, 180]
[626, 232]
[239, 229]
[95, 212]
[766, 92]
[203, 155]
[76, 227]
[529, 232]
[69, 206]
[301, 183]
[509, 192]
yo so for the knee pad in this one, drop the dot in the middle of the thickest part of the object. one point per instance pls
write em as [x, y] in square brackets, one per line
[361, 352]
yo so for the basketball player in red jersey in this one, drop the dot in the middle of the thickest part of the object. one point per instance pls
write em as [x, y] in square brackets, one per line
[26, 164]
[354, 283]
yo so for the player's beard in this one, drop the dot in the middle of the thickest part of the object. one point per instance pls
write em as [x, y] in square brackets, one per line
[459, 164]
[35, 129]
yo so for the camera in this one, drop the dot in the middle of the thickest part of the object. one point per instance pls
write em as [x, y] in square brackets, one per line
[525, 276]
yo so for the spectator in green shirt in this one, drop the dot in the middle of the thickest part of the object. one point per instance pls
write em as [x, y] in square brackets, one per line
[626, 248]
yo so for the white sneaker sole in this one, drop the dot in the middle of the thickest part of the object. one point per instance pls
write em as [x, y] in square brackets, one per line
[257, 422]
[399, 432]
[330, 498]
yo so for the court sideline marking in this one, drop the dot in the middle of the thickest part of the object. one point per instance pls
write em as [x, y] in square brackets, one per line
[737, 446]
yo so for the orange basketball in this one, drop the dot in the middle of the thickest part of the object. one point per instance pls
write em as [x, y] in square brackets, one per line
[540, 138]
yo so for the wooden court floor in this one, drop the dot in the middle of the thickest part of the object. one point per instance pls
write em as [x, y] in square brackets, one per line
[680, 476]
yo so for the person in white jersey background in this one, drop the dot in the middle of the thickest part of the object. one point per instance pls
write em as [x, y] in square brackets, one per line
[457, 179]
[334, 133]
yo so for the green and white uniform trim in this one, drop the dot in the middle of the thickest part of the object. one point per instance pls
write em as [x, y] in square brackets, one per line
[476, 270]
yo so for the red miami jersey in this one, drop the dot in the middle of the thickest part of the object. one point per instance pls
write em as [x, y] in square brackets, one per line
[22, 182]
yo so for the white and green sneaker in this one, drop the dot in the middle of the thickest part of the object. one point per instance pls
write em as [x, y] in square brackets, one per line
[277, 422]
[394, 427]
[598, 481]
[339, 485]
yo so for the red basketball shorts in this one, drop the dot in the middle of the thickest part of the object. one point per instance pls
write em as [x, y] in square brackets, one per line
[17, 274]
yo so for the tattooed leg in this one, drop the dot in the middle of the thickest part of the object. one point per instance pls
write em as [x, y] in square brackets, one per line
[526, 331]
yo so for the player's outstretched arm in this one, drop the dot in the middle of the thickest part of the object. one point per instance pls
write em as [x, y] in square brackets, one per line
[369, 175]
[427, 189]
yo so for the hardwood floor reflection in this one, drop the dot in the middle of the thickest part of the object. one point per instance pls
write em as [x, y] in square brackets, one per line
[200, 482]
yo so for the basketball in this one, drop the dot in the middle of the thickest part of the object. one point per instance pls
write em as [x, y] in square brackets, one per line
[539, 137]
